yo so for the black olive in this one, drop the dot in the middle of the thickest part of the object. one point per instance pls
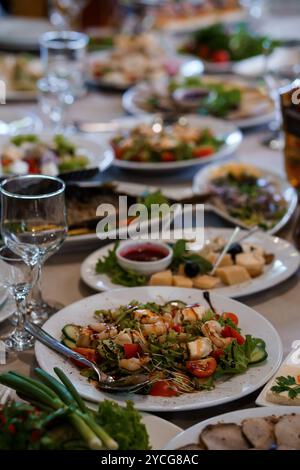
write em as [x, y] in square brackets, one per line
[191, 269]
[234, 250]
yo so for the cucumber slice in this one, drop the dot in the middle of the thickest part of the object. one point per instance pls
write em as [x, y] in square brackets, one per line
[72, 332]
[69, 343]
[169, 306]
[258, 354]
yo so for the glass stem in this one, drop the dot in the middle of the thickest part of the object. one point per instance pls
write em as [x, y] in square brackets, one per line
[36, 291]
[21, 312]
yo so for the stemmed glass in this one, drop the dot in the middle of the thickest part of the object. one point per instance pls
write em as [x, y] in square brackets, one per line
[34, 214]
[18, 276]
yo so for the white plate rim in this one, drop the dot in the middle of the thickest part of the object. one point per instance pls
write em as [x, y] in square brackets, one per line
[147, 403]
[249, 288]
[191, 434]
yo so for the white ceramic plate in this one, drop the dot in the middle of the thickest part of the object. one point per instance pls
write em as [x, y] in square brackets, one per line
[289, 193]
[236, 387]
[221, 129]
[191, 435]
[286, 263]
[292, 361]
[133, 94]
[98, 157]
[185, 65]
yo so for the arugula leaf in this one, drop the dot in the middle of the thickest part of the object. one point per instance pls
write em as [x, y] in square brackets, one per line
[109, 266]
[287, 384]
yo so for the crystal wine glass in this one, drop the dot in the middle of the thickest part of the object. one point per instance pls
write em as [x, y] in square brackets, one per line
[34, 214]
[18, 276]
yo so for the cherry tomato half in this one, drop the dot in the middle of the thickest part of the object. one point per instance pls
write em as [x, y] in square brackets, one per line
[88, 353]
[177, 328]
[230, 316]
[163, 388]
[202, 367]
[131, 350]
[229, 332]
[203, 151]
[217, 353]
[167, 156]
[220, 56]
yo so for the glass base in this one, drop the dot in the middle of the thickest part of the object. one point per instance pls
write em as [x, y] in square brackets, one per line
[19, 341]
[40, 312]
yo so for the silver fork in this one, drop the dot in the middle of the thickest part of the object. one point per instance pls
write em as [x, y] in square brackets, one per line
[130, 383]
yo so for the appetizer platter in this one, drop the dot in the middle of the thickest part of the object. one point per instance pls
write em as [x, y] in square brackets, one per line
[258, 263]
[247, 196]
[50, 154]
[83, 200]
[20, 73]
[269, 428]
[284, 388]
[242, 102]
[266, 348]
[134, 59]
[221, 46]
[149, 144]
[47, 432]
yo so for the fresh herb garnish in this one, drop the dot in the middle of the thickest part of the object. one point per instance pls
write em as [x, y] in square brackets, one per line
[181, 255]
[287, 384]
[109, 265]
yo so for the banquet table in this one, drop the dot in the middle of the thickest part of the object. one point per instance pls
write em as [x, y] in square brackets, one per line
[61, 274]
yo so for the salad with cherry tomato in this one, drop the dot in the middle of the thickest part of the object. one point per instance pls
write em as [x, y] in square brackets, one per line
[29, 154]
[221, 44]
[184, 348]
[172, 143]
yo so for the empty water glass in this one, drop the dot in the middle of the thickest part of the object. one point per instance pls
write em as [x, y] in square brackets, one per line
[54, 99]
[63, 56]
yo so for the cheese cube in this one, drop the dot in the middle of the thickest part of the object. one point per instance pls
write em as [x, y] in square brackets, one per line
[162, 278]
[253, 262]
[205, 281]
[182, 281]
[200, 347]
[181, 270]
[233, 274]
[226, 260]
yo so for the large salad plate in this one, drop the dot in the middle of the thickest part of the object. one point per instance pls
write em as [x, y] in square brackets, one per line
[191, 435]
[285, 264]
[221, 129]
[82, 312]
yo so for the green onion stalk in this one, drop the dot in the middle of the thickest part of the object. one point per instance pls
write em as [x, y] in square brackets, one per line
[62, 399]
